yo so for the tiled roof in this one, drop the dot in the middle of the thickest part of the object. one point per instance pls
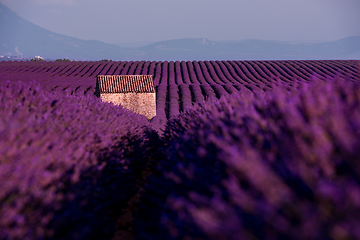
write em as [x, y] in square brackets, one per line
[125, 84]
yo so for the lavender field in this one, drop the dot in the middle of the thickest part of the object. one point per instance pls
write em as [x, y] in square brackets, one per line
[238, 150]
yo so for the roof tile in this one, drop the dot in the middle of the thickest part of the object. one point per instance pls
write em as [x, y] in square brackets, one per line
[125, 83]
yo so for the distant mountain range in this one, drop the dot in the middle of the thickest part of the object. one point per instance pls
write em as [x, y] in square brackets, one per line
[19, 37]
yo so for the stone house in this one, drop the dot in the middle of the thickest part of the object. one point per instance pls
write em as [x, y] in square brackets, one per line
[134, 92]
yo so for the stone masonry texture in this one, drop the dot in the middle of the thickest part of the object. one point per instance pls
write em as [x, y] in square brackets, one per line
[142, 103]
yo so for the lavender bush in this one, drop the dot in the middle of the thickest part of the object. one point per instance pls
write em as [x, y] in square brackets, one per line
[278, 164]
[68, 163]
[269, 162]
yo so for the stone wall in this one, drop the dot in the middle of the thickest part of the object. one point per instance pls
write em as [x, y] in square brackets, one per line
[142, 103]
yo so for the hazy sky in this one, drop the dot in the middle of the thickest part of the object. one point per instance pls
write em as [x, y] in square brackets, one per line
[121, 21]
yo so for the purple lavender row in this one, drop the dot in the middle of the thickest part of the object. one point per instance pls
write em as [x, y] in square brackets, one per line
[215, 72]
[159, 121]
[270, 71]
[208, 91]
[81, 66]
[257, 73]
[197, 94]
[68, 163]
[199, 74]
[139, 67]
[323, 70]
[107, 67]
[161, 99]
[192, 74]
[216, 75]
[336, 69]
[261, 165]
[349, 65]
[174, 106]
[185, 97]
[118, 68]
[145, 69]
[222, 68]
[242, 72]
[247, 68]
[286, 77]
[132, 67]
[84, 71]
[228, 77]
[260, 73]
[152, 66]
[92, 67]
[178, 74]
[171, 77]
[164, 73]
[206, 72]
[230, 88]
[157, 73]
[125, 68]
[321, 67]
[219, 90]
[235, 77]
[293, 69]
[310, 70]
[185, 72]
[67, 69]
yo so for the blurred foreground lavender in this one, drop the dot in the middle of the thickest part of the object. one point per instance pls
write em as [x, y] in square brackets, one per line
[279, 164]
[265, 165]
[68, 163]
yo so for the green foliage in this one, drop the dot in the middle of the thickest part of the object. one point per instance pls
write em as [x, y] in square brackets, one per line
[36, 59]
[62, 60]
